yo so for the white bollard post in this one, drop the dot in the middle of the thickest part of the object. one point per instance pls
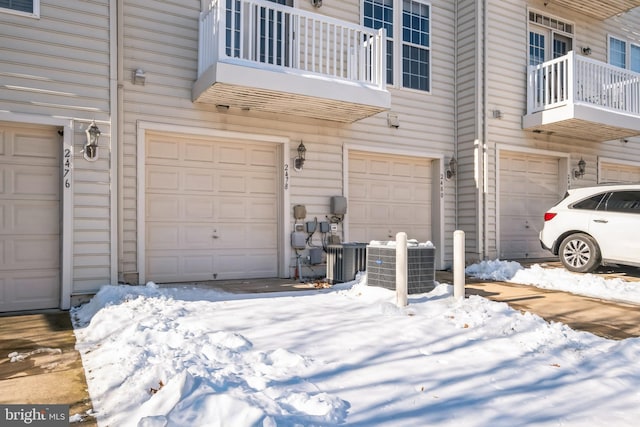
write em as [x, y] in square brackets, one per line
[458, 264]
[402, 269]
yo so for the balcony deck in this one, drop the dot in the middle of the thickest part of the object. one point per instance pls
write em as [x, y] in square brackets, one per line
[259, 55]
[582, 98]
[599, 9]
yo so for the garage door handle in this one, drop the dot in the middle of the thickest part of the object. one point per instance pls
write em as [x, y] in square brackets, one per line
[601, 221]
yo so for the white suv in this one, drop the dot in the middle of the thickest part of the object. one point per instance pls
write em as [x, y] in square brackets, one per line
[593, 226]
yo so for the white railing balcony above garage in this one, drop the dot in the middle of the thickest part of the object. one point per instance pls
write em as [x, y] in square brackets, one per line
[260, 55]
[582, 98]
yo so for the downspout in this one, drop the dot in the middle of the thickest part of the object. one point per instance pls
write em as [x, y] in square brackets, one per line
[120, 127]
[114, 101]
[478, 163]
[455, 110]
[485, 129]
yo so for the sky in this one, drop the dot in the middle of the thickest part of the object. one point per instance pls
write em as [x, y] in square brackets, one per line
[348, 355]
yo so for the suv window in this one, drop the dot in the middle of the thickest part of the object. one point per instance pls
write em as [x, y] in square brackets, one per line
[591, 203]
[624, 201]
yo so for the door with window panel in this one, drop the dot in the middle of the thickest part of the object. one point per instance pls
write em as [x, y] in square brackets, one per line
[550, 38]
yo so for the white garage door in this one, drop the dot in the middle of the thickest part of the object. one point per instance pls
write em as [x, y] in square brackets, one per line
[388, 194]
[529, 185]
[211, 209]
[29, 218]
[612, 172]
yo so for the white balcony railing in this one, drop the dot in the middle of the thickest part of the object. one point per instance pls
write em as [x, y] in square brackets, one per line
[259, 33]
[576, 79]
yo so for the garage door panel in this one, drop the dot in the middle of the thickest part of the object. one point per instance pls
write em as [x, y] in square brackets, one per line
[198, 181]
[40, 182]
[263, 184]
[200, 265]
[163, 266]
[529, 185]
[161, 207]
[162, 179]
[198, 152]
[35, 252]
[233, 183]
[162, 149]
[29, 218]
[619, 173]
[266, 158]
[163, 235]
[379, 191]
[263, 210]
[388, 194]
[196, 236]
[197, 208]
[226, 201]
[256, 265]
[379, 167]
[233, 155]
[34, 144]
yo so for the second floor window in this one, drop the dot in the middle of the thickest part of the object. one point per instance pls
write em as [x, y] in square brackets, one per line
[408, 25]
[22, 6]
[624, 54]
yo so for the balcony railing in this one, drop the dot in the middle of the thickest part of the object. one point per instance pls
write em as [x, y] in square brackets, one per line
[580, 98]
[263, 34]
[573, 79]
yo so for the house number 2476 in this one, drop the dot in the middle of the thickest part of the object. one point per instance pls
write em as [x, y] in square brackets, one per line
[66, 168]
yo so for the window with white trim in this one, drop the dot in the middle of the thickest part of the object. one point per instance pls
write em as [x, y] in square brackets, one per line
[624, 54]
[22, 7]
[549, 37]
[408, 25]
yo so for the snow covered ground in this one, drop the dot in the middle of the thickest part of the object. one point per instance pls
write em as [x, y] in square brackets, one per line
[349, 356]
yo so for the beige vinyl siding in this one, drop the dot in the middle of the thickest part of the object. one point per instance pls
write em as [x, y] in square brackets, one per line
[92, 216]
[164, 44]
[56, 69]
[59, 61]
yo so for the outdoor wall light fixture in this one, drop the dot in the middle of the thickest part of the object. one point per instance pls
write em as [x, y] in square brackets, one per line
[586, 50]
[298, 162]
[91, 146]
[139, 77]
[582, 166]
[316, 3]
[451, 169]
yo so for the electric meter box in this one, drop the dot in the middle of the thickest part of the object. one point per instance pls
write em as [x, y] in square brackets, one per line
[298, 240]
[324, 227]
[299, 211]
[338, 205]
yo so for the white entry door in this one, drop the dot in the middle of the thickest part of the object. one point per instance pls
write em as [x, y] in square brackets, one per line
[211, 209]
[529, 185]
[388, 194]
[29, 217]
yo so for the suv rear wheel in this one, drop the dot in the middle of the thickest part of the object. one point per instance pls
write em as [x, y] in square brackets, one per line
[580, 253]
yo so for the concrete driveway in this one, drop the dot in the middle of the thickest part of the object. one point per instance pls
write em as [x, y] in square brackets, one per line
[52, 373]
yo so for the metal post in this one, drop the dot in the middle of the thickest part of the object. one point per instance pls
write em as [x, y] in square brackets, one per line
[402, 269]
[458, 264]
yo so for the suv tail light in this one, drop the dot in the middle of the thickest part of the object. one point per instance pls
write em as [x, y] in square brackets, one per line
[548, 216]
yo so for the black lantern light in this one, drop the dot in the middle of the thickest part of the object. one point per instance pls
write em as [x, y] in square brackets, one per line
[299, 161]
[91, 146]
[582, 166]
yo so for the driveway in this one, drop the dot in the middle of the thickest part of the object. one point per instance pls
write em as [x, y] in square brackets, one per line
[54, 373]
